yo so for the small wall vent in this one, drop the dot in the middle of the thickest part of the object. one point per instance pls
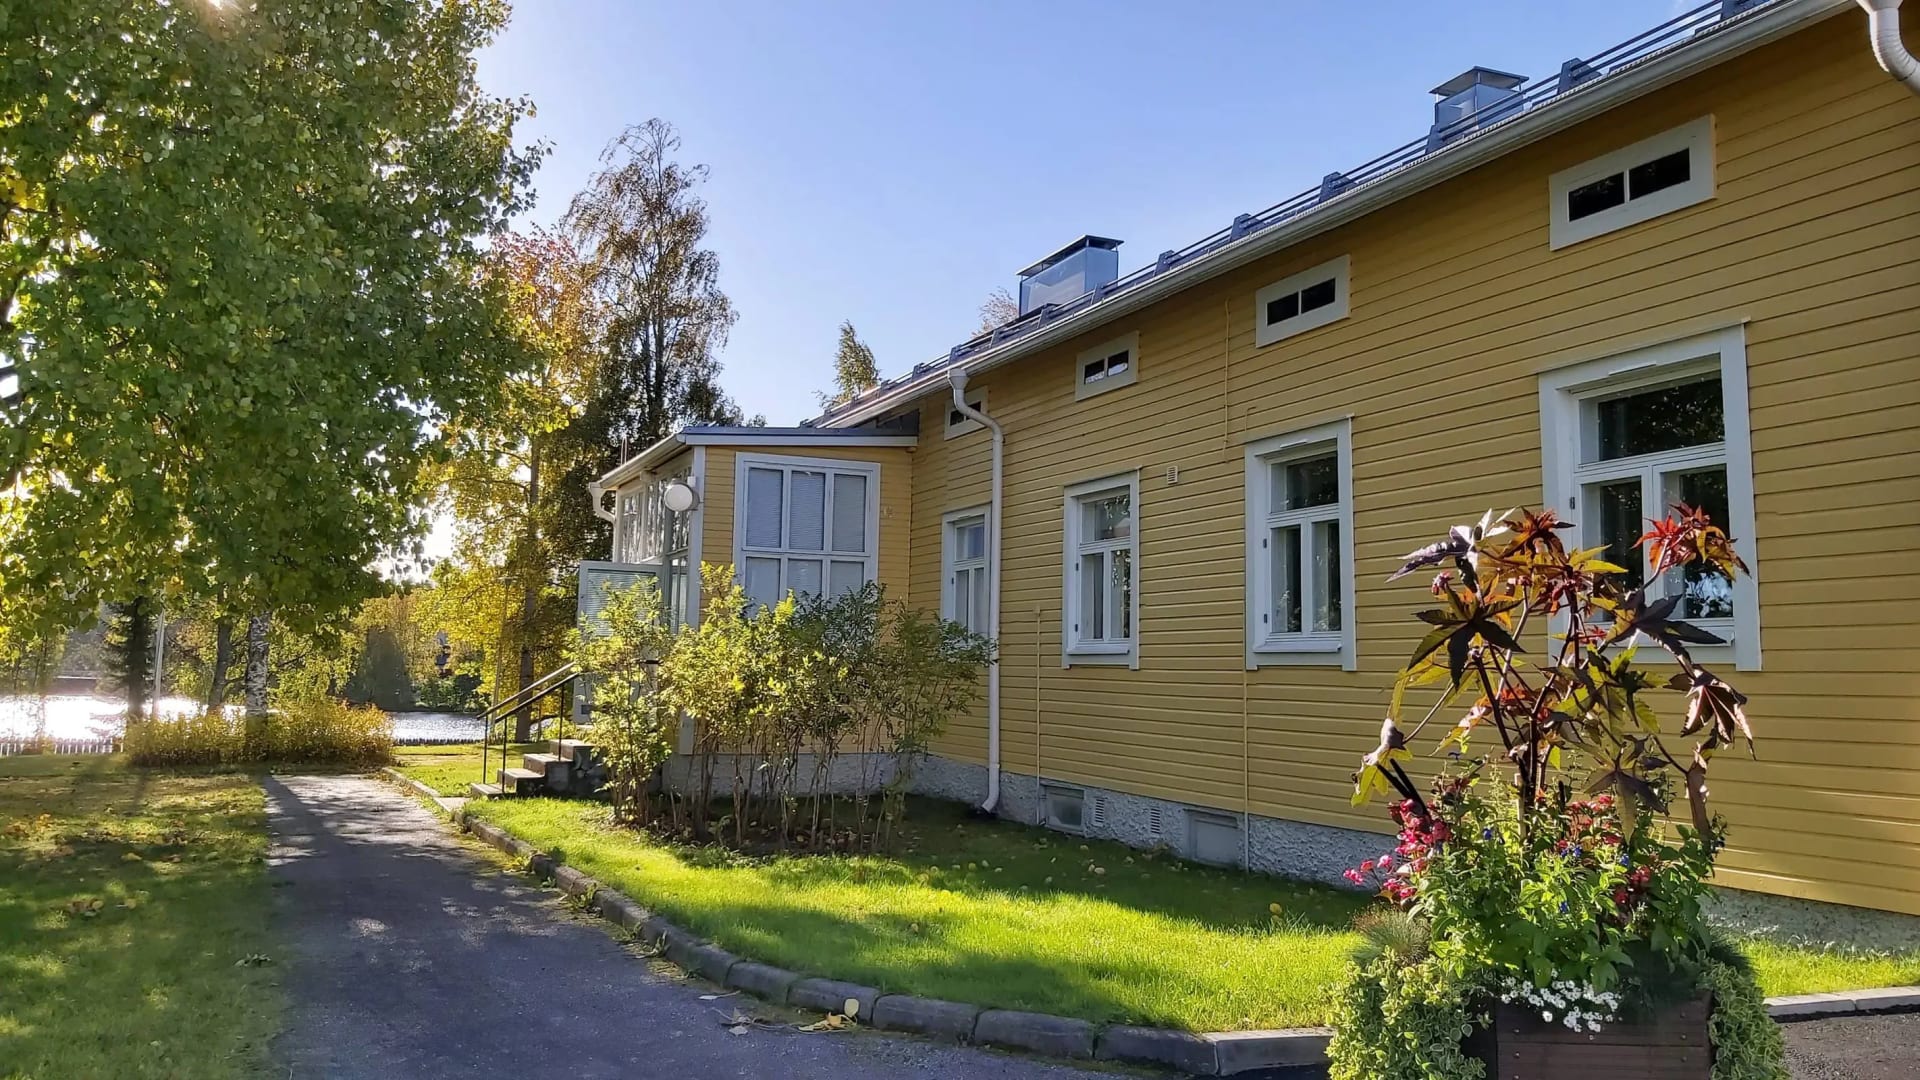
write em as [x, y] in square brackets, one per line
[1097, 812]
[1156, 822]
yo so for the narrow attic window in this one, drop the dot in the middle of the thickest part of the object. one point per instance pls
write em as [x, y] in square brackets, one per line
[1305, 301]
[957, 422]
[1641, 182]
[1108, 366]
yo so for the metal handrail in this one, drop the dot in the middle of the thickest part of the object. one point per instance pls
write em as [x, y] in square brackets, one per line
[1573, 77]
[525, 697]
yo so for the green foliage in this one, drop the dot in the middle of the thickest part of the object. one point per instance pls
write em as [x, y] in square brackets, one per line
[380, 675]
[1398, 1021]
[1394, 933]
[854, 369]
[311, 730]
[634, 726]
[128, 656]
[1747, 1044]
[238, 249]
[779, 696]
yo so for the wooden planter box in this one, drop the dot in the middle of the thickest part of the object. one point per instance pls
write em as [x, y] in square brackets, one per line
[1521, 1046]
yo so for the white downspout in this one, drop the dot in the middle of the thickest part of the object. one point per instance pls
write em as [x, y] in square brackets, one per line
[1883, 25]
[959, 381]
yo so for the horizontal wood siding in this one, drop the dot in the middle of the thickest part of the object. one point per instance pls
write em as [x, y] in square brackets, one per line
[1457, 306]
[896, 501]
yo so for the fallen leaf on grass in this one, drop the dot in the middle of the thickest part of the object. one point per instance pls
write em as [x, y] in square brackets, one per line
[830, 1022]
[253, 960]
[132, 856]
[85, 907]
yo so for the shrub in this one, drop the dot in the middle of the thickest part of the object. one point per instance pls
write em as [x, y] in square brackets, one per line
[633, 725]
[1398, 1021]
[1544, 867]
[309, 730]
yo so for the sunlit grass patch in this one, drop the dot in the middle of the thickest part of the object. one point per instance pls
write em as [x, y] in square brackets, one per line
[449, 769]
[126, 900]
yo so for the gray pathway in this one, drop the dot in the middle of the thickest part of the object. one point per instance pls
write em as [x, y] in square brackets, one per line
[412, 958]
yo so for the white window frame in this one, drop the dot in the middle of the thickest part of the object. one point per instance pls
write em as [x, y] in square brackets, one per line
[1076, 650]
[1128, 343]
[951, 564]
[975, 398]
[1266, 333]
[1566, 398]
[785, 553]
[1264, 646]
[1695, 137]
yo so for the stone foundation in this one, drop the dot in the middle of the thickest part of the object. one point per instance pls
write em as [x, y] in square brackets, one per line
[1322, 853]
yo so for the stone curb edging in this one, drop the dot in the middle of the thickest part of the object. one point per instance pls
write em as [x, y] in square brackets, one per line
[1216, 1053]
[1211, 1054]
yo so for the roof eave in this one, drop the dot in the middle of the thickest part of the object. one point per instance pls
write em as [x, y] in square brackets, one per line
[1576, 106]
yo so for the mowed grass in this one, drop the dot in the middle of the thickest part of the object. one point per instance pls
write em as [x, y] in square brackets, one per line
[133, 922]
[1795, 968]
[1022, 918]
[449, 769]
[989, 913]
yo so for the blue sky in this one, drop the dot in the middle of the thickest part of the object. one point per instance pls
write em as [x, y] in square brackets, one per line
[891, 163]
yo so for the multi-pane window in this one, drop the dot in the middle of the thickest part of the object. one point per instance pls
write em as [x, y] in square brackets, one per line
[1108, 366]
[1628, 439]
[1302, 302]
[964, 591]
[804, 526]
[1102, 548]
[1656, 176]
[1299, 548]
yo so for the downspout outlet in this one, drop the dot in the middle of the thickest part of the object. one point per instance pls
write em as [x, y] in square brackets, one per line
[958, 379]
[1889, 48]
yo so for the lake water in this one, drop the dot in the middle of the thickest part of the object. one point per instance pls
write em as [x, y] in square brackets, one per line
[84, 716]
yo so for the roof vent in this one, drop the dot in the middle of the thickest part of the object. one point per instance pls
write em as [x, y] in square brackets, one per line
[1472, 100]
[1070, 273]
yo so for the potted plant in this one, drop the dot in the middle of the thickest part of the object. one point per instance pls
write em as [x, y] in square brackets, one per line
[1547, 911]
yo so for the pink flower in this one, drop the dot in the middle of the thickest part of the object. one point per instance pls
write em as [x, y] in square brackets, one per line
[1367, 867]
[1354, 876]
[1386, 863]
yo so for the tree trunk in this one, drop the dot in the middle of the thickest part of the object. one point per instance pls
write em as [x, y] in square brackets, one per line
[529, 593]
[222, 664]
[256, 684]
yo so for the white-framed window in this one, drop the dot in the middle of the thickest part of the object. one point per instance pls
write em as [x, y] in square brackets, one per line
[644, 529]
[1655, 176]
[1300, 586]
[959, 423]
[1109, 365]
[1625, 438]
[805, 525]
[1301, 302]
[963, 582]
[1100, 617]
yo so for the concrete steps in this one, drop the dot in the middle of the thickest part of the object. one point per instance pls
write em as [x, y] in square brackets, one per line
[568, 767]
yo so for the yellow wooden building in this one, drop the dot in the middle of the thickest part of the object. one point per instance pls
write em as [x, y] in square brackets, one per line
[1686, 268]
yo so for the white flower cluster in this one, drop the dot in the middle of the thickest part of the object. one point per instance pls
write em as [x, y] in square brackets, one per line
[1577, 1005]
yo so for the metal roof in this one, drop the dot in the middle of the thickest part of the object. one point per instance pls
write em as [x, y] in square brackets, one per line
[1576, 81]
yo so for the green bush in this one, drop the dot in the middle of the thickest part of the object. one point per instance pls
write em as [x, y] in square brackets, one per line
[309, 730]
[1398, 1021]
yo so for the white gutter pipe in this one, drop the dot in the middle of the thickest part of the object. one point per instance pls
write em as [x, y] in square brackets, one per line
[597, 491]
[1883, 25]
[959, 380]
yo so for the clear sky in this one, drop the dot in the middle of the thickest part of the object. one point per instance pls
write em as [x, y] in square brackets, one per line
[891, 163]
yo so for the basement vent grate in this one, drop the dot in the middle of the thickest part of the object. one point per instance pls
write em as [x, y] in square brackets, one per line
[1097, 812]
[1156, 822]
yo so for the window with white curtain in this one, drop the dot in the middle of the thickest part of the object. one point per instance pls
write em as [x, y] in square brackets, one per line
[1300, 548]
[963, 597]
[804, 525]
[1100, 618]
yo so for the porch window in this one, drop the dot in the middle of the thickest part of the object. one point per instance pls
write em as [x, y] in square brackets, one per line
[1102, 610]
[805, 526]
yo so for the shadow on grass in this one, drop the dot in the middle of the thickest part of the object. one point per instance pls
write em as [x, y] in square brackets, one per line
[129, 904]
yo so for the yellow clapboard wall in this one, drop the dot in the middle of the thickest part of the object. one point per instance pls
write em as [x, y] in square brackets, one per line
[1457, 306]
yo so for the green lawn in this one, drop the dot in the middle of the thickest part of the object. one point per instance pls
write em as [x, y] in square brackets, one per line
[133, 922]
[449, 769]
[989, 913]
[1022, 918]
